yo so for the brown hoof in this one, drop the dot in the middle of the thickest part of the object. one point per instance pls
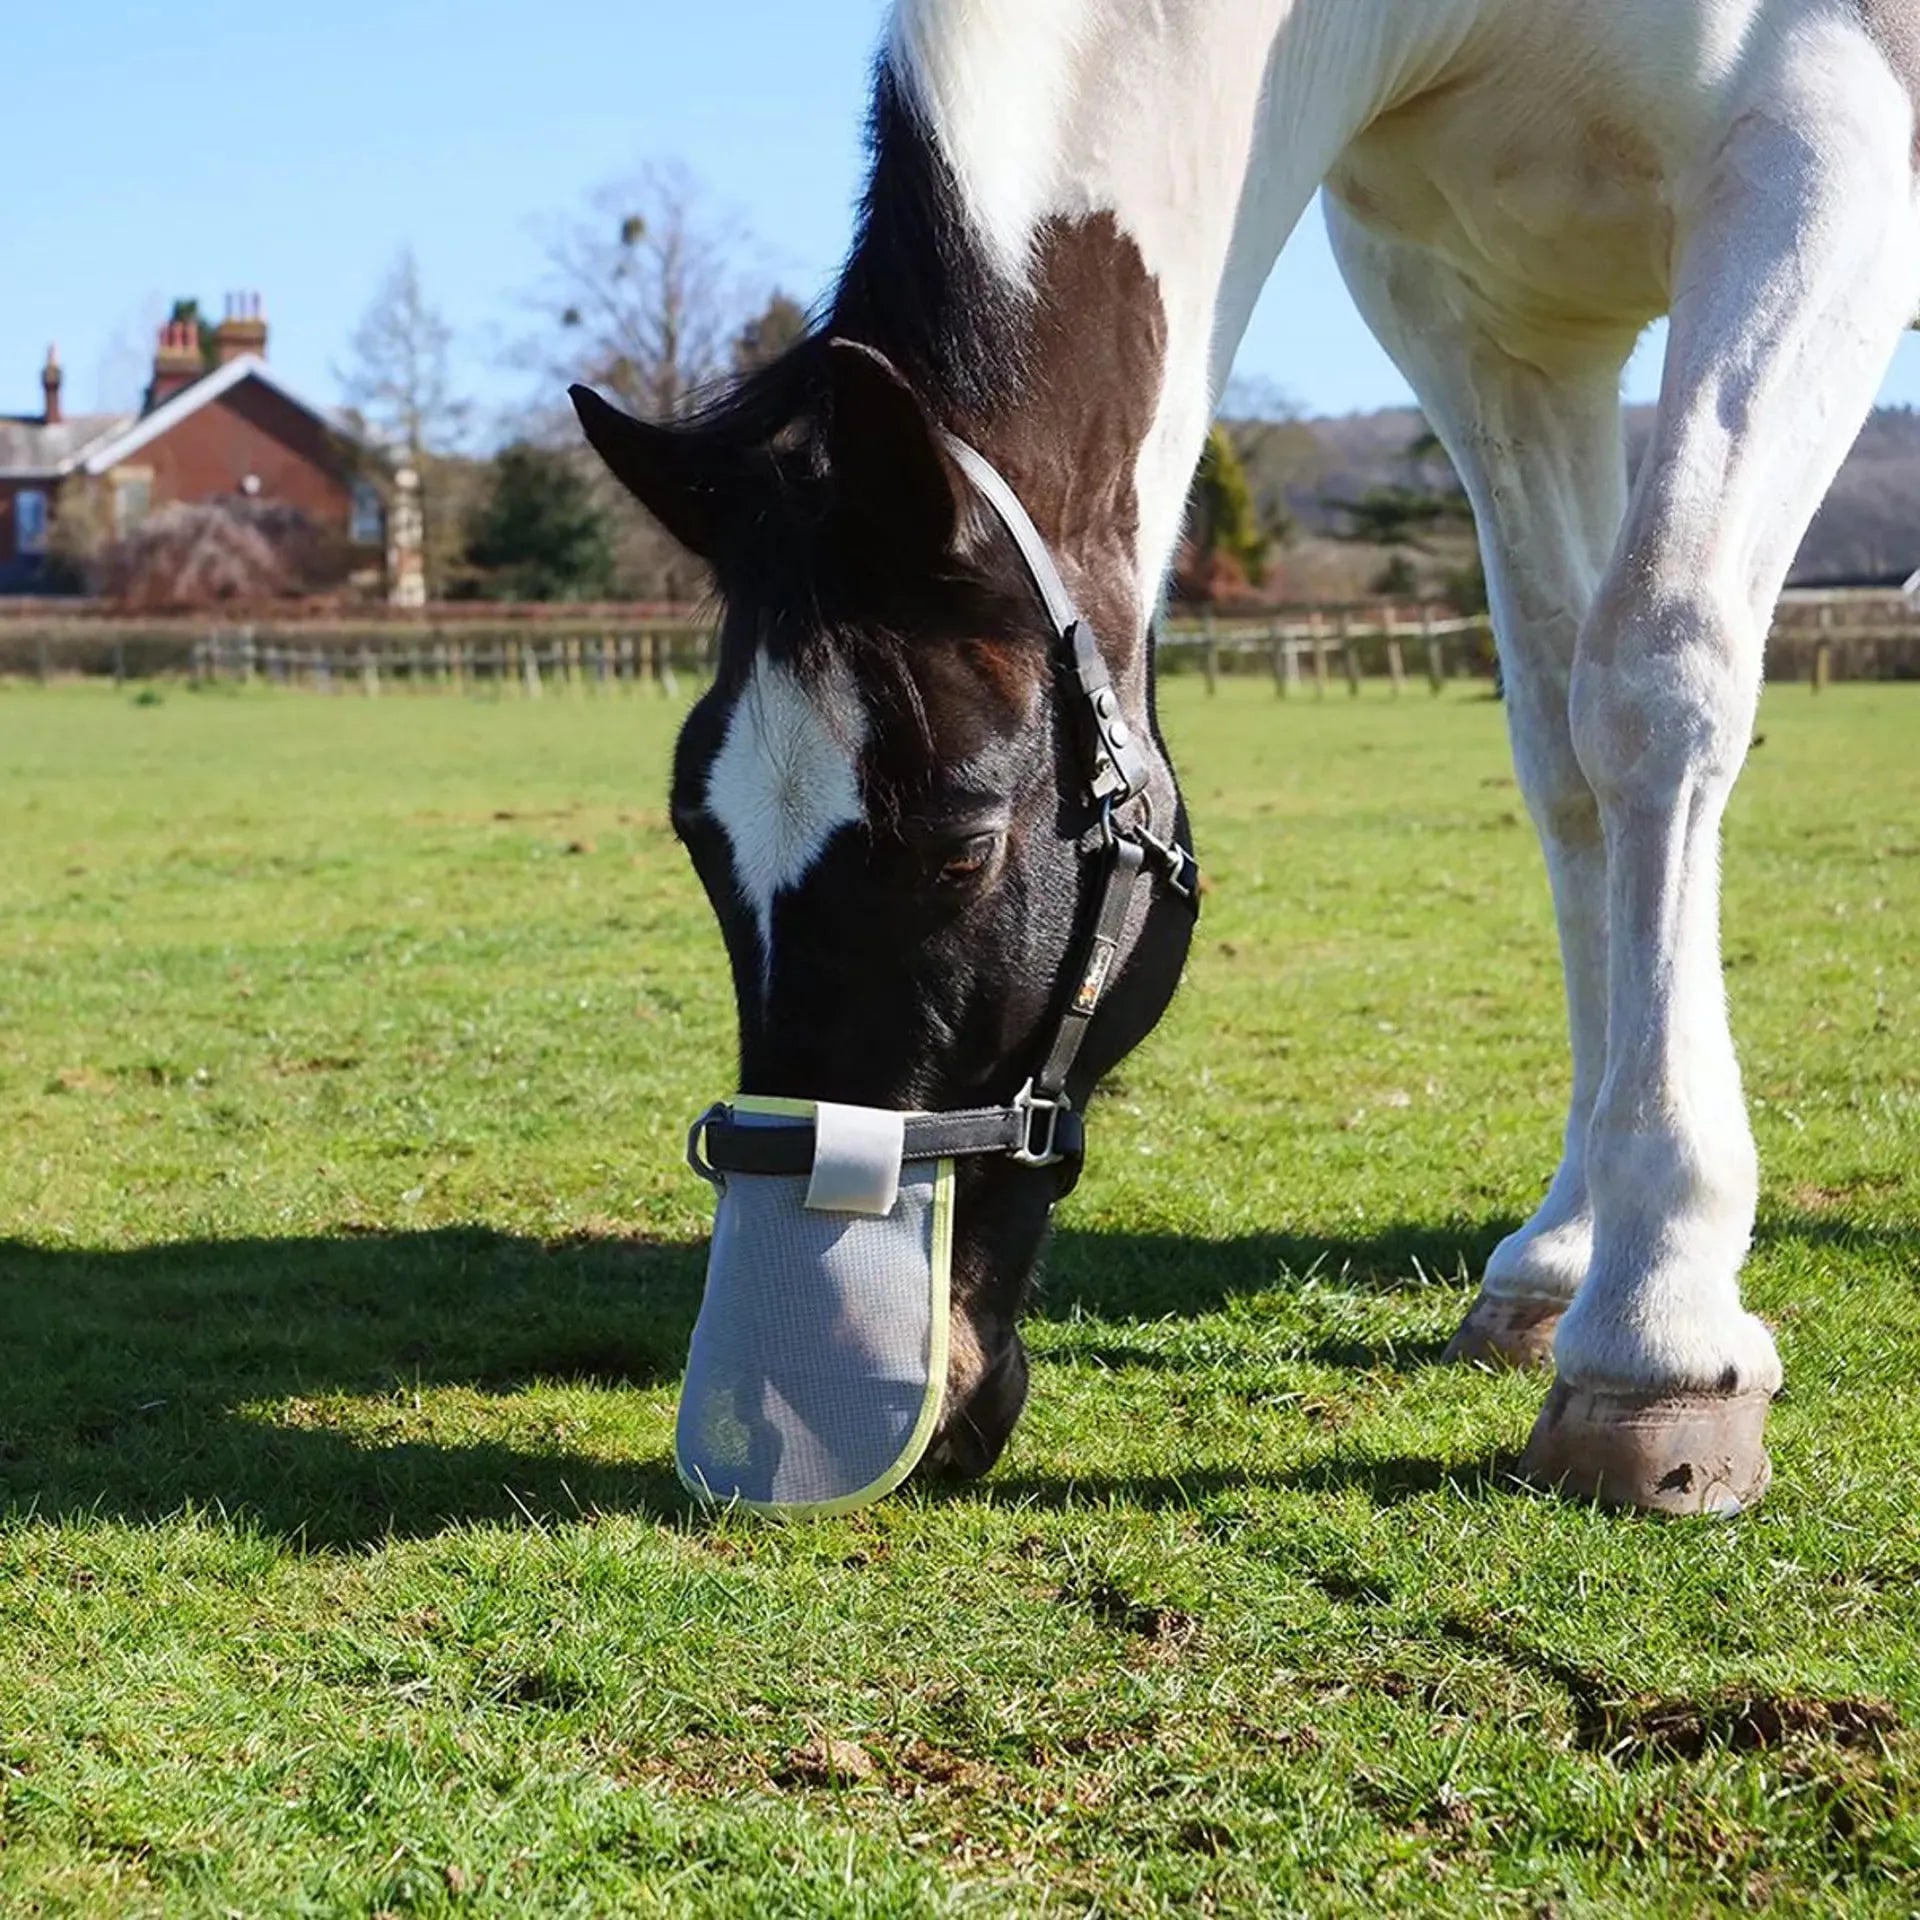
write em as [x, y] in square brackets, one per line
[1507, 1333]
[1681, 1453]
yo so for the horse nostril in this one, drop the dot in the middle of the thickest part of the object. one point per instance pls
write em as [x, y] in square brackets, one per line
[977, 1428]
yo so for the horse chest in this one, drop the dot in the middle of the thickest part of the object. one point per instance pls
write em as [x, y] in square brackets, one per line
[1556, 217]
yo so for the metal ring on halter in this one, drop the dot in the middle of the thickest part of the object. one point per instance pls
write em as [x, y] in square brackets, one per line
[696, 1140]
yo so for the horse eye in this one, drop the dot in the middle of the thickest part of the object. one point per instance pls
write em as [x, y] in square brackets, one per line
[968, 859]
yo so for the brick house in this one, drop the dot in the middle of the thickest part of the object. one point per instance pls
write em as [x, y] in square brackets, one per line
[213, 426]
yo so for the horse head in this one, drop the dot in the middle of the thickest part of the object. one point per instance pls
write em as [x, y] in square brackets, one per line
[885, 796]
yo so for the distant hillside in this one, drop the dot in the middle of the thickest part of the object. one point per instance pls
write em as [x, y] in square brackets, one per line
[1870, 524]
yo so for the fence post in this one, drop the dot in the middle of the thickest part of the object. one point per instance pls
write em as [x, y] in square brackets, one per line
[1317, 638]
[1396, 661]
[1210, 653]
[1279, 660]
[1823, 648]
[1436, 651]
[1349, 653]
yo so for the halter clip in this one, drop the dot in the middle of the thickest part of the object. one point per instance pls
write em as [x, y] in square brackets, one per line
[1039, 1128]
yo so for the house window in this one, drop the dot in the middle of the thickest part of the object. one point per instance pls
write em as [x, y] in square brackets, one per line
[368, 526]
[132, 496]
[30, 521]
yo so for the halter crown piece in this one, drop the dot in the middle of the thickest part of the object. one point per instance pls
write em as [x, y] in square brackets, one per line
[1039, 1127]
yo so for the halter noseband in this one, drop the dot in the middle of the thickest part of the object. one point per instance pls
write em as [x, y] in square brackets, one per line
[1039, 1128]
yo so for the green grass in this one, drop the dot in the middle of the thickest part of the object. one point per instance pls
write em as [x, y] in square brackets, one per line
[347, 1260]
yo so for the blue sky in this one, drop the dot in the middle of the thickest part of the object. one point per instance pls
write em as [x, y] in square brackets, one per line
[165, 149]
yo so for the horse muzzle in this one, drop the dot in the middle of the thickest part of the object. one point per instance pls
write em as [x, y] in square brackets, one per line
[818, 1369]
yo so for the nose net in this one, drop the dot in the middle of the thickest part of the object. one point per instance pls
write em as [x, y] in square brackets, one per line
[819, 1359]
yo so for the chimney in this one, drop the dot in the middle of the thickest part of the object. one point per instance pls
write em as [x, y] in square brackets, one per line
[50, 385]
[178, 362]
[244, 330]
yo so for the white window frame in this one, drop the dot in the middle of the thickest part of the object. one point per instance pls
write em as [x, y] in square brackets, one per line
[30, 516]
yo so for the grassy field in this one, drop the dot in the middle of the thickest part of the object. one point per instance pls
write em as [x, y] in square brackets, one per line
[347, 1261]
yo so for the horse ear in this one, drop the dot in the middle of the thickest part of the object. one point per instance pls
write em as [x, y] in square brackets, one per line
[895, 489]
[697, 488]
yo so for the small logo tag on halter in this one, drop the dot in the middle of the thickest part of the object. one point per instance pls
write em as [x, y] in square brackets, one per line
[1094, 983]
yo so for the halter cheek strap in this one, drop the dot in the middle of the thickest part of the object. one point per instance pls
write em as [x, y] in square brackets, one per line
[1039, 1128]
[1118, 769]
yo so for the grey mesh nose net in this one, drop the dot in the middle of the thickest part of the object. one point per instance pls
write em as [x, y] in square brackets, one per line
[819, 1359]
[820, 1355]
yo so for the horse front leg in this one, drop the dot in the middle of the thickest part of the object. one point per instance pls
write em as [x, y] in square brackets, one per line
[1800, 267]
[1540, 455]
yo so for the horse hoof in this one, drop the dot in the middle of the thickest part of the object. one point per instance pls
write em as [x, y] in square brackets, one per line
[1499, 1332]
[1667, 1452]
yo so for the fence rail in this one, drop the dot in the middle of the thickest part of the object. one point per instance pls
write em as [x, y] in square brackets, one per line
[611, 650]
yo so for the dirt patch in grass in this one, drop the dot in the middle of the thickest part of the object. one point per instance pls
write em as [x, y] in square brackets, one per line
[81, 1080]
[1738, 1723]
[827, 1763]
[1163, 1629]
[1733, 1719]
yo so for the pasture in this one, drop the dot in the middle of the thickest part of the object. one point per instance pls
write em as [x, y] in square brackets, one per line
[347, 1260]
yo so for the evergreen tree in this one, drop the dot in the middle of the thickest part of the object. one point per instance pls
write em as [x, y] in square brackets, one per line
[541, 534]
[782, 324]
[1225, 520]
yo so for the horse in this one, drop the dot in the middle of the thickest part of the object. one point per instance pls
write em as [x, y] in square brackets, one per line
[1070, 210]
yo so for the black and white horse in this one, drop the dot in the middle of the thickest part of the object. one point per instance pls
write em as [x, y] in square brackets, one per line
[1073, 205]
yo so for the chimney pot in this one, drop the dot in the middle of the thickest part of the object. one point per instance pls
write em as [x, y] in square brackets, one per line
[50, 386]
[178, 363]
[243, 331]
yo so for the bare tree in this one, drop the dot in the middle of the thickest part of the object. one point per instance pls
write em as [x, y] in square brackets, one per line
[398, 378]
[642, 293]
[399, 389]
[644, 297]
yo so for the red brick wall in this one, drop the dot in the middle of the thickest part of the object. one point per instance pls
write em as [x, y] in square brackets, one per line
[251, 429]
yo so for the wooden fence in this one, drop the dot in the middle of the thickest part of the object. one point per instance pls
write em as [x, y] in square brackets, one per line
[618, 650]
[529, 665]
[1303, 651]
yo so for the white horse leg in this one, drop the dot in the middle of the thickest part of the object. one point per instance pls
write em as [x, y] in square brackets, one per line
[1541, 457]
[1798, 266]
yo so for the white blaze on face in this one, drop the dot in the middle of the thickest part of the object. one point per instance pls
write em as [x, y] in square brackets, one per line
[784, 782]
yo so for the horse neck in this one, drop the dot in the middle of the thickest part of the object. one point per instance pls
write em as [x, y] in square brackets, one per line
[1132, 170]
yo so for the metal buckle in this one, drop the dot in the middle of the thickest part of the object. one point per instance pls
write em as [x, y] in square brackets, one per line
[1034, 1107]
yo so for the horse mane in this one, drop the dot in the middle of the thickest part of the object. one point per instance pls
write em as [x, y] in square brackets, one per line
[917, 284]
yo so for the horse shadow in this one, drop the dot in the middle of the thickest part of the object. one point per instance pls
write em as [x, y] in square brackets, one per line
[207, 1375]
[199, 1375]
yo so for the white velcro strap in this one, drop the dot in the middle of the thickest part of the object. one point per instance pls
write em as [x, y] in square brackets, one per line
[856, 1159]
